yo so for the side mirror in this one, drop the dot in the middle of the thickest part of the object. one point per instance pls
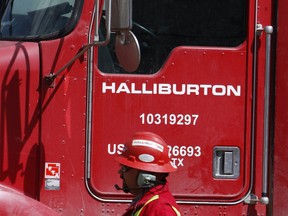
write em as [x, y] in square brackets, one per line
[126, 44]
[121, 16]
[127, 50]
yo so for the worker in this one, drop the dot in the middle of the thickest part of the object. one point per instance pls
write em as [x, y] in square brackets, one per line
[144, 167]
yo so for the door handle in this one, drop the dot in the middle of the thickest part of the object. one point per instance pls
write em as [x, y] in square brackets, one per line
[268, 32]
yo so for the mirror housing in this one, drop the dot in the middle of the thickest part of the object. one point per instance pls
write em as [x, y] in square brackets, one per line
[127, 48]
[121, 16]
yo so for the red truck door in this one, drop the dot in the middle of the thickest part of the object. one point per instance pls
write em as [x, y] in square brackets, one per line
[193, 87]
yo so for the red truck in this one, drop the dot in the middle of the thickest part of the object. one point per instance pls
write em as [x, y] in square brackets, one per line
[78, 78]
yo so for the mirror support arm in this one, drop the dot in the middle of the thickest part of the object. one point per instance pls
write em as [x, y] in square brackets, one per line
[50, 78]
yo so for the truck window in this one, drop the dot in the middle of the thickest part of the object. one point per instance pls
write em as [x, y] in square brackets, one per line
[161, 25]
[31, 19]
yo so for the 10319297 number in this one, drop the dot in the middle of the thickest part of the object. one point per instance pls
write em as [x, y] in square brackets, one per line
[168, 119]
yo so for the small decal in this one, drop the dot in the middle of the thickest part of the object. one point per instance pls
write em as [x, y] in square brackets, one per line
[52, 176]
[149, 144]
[147, 158]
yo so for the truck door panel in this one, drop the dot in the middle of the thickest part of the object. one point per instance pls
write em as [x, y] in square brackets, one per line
[193, 87]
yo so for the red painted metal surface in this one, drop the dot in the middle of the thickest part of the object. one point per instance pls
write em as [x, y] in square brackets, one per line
[19, 116]
[127, 112]
[63, 121]
[43, 125]
[125, 104]
[15, 203]
[279, 174]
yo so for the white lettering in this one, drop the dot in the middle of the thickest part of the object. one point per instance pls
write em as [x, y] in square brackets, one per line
[115, 148]
[173, 161]
[155, 88]
[192, 89]
[174, 89]
[105, 87]
[231, 88]
[134, 90]
[219, 90]
[180, 162]
[123, 88]
[205, 87]
[164, 88]
[181, 92]
[145, 91]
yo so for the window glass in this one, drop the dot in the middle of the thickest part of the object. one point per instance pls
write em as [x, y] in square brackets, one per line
[161, 25]
[35, 19]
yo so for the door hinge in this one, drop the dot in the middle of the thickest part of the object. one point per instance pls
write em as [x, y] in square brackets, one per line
[252, 199]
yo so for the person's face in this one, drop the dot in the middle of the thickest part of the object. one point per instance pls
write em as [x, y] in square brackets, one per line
[129, 177]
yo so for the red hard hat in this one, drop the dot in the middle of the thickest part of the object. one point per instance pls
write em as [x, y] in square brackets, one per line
[146, 151]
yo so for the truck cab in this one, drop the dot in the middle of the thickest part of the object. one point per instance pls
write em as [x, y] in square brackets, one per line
[78, 78]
